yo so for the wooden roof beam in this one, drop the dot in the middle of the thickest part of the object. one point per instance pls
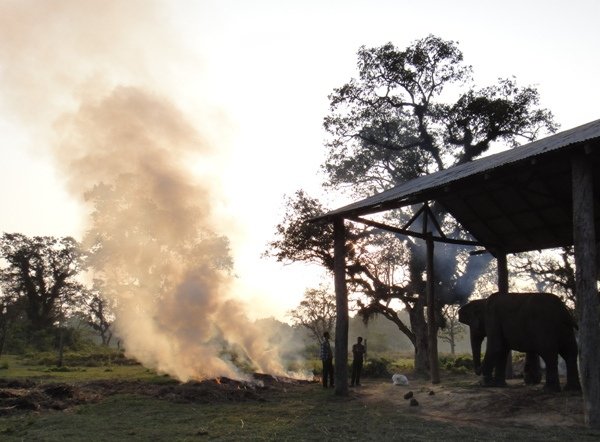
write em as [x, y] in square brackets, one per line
[378, 225]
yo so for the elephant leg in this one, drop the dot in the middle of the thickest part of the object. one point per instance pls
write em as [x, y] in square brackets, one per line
[500, 370]
[493, 368]
[489, 361]
[573, 383]
[532, 373]
[568, 351]
[552, 382]
[487, 369]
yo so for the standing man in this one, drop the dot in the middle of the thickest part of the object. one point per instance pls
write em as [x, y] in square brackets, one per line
[327, 359]
[358, 356]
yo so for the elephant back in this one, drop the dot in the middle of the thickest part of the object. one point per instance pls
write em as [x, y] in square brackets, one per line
[532, 305]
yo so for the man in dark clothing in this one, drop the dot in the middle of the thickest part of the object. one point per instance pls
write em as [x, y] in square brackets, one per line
[358, 355]
[327, 359]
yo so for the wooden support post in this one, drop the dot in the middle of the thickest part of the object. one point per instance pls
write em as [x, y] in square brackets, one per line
[502, 264]
[502, 272]
[341, 306]
[588, 304]
[432, 328]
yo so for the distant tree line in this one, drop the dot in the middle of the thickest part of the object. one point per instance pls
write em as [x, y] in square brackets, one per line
[44, 297]
[315, 314]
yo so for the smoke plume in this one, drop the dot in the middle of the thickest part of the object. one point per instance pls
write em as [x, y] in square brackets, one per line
[125, 149]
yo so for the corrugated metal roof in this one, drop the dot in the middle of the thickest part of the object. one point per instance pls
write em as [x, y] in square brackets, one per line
[409, 192]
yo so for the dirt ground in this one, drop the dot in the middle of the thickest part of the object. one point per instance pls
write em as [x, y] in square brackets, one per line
[462, 399]
[455, 399]
[30, 395]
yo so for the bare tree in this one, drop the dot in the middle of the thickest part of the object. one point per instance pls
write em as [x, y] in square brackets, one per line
[551, 270]
[316, 312]
[99, 311]
[452, 330]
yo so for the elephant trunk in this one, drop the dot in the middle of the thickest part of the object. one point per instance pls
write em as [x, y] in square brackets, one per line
[476, 340]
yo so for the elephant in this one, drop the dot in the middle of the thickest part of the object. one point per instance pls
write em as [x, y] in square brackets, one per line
[534, 323]
[473, 315]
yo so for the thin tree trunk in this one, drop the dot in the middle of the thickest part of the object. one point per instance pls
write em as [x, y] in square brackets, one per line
[419, 328]
[584, 236]
[61, 343]
[341, 303]
[3, 331]
[416, 311]
[431, 322]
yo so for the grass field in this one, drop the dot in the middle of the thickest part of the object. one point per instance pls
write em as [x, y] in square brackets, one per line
[293, 412]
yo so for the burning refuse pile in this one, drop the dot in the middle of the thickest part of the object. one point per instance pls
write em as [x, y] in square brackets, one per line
[18, 396]
[132, 157]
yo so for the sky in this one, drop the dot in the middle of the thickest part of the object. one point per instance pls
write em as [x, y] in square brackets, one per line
[253, 77]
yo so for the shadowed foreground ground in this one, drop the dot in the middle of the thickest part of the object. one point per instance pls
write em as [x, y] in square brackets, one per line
[282, 409]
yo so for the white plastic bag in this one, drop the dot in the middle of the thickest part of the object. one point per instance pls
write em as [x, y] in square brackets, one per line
[399, 379]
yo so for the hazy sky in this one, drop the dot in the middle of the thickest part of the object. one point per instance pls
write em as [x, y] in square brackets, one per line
[253, 77]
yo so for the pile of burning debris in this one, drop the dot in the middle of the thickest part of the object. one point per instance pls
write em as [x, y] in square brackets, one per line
[28, 395]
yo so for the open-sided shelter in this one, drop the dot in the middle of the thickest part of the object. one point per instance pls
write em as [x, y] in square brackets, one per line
[540, 195]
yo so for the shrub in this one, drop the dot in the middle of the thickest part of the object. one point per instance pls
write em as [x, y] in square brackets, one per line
[312, 365]
[464, 362]
[311, 351]
[377, 367]
[460, 364]
[63, 369]
[315, 366]
[97, 356]
[402, 366]
[21, 338]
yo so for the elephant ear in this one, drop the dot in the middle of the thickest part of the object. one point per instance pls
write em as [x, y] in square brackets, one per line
[466, 313]
[472, 313]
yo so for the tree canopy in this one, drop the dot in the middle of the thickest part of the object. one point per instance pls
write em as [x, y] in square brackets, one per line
[397, 120]
[407, 113]
[41, 270]
[316, 312]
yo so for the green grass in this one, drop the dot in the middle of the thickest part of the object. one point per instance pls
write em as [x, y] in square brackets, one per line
[298, 413]
[302, 414]
[18, 368]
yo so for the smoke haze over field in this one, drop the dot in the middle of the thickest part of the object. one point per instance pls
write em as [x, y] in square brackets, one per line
[143, 74]
[77, 72]
[152, 231]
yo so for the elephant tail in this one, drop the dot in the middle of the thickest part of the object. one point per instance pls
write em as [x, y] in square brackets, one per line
[569, 318]
[562, 313]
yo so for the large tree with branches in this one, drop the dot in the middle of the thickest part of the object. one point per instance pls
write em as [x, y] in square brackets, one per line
[550, 270]
[408, 113]
[315, 313]
[42, 271]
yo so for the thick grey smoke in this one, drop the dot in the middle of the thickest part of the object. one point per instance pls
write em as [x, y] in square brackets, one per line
[154, 236]
[457, 272]
[125, 150]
